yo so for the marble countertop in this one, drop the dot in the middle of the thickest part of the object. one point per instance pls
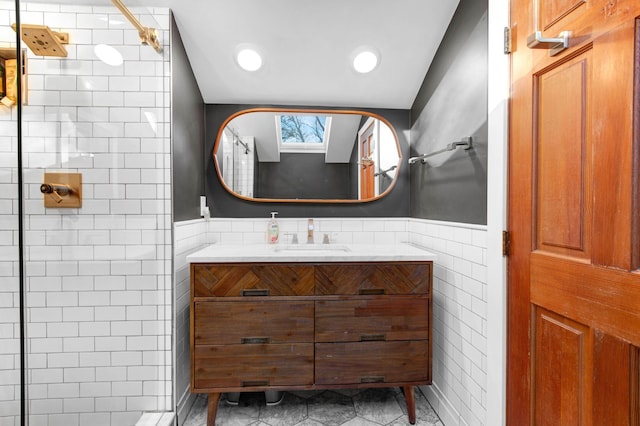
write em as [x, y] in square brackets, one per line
[310, 253]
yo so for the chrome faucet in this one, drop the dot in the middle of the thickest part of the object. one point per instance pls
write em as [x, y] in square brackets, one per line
[310, 231]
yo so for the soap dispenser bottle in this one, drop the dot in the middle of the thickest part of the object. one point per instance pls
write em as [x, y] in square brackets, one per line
[273, 230]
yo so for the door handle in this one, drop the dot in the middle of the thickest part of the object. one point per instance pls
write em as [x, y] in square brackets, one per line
[554, 44]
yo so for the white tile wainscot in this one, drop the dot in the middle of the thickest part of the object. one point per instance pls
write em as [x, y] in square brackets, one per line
[340, 230]
[188, 236]
[459, 390]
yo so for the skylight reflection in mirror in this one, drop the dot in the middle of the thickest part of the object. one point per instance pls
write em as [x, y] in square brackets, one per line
[302, 132]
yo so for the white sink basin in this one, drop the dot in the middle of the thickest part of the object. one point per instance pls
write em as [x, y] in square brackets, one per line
[311, 248]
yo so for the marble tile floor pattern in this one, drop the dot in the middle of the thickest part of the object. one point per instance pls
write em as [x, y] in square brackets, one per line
[360, 407]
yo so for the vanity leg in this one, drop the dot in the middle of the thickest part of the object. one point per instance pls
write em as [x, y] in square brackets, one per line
[409, 396]
[212, 408]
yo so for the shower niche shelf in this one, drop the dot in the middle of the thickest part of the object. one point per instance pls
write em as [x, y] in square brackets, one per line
[7, 55]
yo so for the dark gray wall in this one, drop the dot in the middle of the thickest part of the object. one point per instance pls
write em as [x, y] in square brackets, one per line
[452, 104]
[187, 133]
[302, 175]
[223, 204]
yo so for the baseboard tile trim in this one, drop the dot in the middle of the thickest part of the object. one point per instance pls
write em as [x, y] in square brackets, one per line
[443, 408]
[156, 419]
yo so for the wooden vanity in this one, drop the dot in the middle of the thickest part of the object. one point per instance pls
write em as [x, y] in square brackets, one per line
[310, 325]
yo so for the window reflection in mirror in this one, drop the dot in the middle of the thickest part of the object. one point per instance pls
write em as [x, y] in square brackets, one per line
[307, 155]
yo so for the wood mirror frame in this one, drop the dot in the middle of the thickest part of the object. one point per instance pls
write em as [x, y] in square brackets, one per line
[395, 168]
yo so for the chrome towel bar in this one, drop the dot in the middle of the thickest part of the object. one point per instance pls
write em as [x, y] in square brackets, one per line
[384, 172]
[466, 142]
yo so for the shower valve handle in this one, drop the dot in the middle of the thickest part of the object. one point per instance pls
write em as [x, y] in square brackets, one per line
[56, 190]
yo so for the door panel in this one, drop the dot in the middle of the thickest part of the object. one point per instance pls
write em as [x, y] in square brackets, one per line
[635, 386]
[559, 369]
[614, 144]
[617, 384]
[574, 216]
[563, 148]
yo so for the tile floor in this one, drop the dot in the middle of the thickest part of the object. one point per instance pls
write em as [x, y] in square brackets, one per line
[364, 407]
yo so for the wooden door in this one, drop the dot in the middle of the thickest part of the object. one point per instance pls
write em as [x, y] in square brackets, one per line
[367, 165]
[574, 210]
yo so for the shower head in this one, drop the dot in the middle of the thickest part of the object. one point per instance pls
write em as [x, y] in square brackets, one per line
[42, 41]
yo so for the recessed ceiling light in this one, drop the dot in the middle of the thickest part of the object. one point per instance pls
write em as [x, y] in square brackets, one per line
[365, 61]
[108, 54]
[249, 59]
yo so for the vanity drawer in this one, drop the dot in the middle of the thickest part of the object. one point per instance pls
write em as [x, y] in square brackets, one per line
[236, 366]
[372, 362]
[249, 280]
[373, 278]
[222, 323]
[391, 318]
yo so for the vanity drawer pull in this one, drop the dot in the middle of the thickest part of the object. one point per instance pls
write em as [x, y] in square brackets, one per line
[255, 292]
[372, 379]
[254, 340]
[251, 383]
[372, 337]
[371, 291]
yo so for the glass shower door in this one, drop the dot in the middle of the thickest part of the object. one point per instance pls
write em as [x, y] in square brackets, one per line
[10, 277]
[96, 276]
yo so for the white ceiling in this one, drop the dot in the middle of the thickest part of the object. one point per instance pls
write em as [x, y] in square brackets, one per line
[307, 47]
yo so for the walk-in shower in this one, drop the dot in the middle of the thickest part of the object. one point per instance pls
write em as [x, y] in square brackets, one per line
[86, 289]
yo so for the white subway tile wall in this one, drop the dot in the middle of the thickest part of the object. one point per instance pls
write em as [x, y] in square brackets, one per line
[338, 230]
[189, 236]
[98, 277]
[459, 390]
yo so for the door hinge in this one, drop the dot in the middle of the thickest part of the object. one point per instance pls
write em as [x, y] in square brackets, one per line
[506, 243]
[507, 40]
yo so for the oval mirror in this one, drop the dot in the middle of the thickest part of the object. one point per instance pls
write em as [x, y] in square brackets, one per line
[300, 155]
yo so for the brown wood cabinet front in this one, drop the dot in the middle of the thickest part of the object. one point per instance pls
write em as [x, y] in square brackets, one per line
[310, 326]
[373, 279]
[249, 280]
[244, 322]
[372, 319]
[372, 362]
[253, 365]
